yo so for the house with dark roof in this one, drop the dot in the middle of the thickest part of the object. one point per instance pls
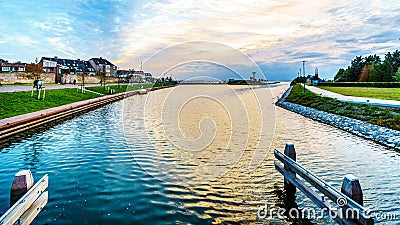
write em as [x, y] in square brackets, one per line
[72, 66]
[124, 73]
[66, 66]
[103, 66]
[2, 61]
[12, 67]
[48, 64]
[148, 77]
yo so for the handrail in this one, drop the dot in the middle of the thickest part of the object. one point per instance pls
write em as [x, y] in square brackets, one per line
[320, 184]
[30, 204]
[291, 168]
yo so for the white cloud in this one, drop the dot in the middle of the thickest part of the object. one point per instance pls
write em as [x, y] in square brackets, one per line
[265, 29]
[325, 33]
[58, 24]
[25, 40]
[60, 44]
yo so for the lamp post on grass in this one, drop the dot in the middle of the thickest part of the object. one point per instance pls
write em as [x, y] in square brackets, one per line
[305, 80]
[300, 75]
[82, 62]
[119, 78]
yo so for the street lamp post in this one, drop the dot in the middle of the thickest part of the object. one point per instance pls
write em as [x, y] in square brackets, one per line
[300, 72]
[304, 74]
[118, 76]
[83, 75]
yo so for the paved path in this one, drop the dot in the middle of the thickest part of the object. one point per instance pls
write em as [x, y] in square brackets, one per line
[353, 99]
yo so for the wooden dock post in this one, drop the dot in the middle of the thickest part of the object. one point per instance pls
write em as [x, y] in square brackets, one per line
[349, 199]
[290, 151]
[351, 188]
[26, 199]
[290, 189]
[23, 181]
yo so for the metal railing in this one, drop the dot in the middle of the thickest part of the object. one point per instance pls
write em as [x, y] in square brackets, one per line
[30, 200]
[346, 204]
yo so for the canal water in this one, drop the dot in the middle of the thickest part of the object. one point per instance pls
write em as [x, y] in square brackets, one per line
[145, 160]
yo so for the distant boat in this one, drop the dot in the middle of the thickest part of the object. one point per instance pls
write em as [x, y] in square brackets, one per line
[142, 91]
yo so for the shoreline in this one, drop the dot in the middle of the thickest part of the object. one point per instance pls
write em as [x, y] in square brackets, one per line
[382, 135]
[40, 119]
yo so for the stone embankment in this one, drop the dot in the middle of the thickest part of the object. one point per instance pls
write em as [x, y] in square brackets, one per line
[382, 135]
[11, 128]
[27, 78]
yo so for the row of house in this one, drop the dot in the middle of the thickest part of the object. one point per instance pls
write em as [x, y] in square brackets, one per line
[92, 66]
[12, 67]
[61, 66]
[135, 76]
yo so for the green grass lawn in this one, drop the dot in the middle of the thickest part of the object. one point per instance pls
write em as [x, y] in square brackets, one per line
[368, 92]
[123, 88]
[17, 103]
[376, 115]
[120, 89]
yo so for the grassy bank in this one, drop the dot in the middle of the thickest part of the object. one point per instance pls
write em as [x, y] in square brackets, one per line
[123, 88]
[361, 84]
[118, 89]
[368, 92]
[375, 115]
[17, 103]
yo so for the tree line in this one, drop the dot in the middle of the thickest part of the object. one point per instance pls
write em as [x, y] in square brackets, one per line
[371, 69]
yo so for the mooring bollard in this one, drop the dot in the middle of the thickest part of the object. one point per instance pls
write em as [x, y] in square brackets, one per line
[290, 151]
[23, 181]
[351, 188]
[26, 199]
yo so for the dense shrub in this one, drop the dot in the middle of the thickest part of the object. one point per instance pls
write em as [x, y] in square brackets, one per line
[381, 116]
[361, 84]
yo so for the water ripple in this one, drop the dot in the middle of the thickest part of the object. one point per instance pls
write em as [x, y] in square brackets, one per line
[95, 178]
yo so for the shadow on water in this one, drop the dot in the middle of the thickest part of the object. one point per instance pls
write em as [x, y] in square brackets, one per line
[286, 199]
[31, 156]
[96, 179]
[7, 142]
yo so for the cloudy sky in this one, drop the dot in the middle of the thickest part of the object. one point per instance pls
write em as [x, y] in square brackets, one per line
[275, 34]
